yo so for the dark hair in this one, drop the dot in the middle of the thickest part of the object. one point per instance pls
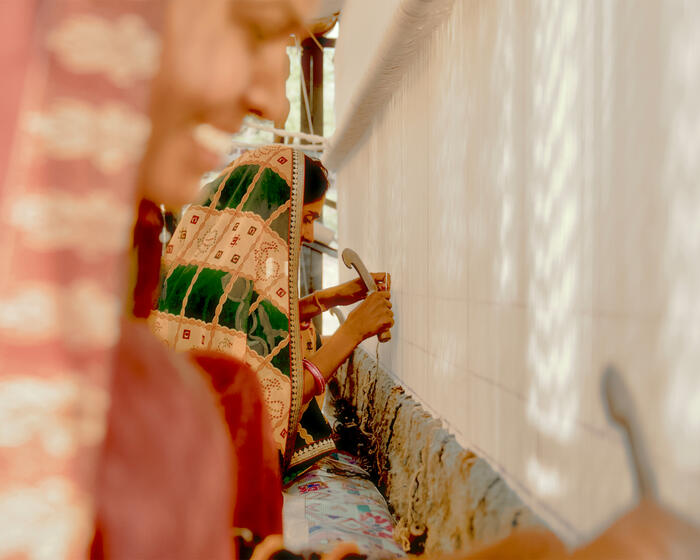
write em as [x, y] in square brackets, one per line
[315, 180]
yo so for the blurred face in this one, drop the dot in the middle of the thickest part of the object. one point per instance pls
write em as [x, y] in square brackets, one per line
[221, 60]
[310, 213]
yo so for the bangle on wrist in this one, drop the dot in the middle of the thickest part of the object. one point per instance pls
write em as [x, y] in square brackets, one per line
[319, 380]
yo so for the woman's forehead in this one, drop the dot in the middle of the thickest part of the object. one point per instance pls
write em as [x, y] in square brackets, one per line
[314, 207]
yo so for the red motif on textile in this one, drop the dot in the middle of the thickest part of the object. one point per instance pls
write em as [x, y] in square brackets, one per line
[312, 487]
[194, 219]
[235, 226]
[183, 234]
[281, 292]
[186, 334]
[235, 240]
[169, 249]
[282, 160]
[234, 258]
[218, 254]
[252, 230]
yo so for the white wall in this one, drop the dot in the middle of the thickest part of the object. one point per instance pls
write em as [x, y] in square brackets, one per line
[534, 188]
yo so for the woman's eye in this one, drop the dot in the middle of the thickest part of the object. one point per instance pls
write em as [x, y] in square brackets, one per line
[256, 36]
[258, 33]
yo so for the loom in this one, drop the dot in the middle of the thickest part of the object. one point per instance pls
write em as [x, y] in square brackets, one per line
[523, 170]
[527, 172]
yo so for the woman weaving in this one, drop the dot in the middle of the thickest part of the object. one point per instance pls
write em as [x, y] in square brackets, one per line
[230, 286]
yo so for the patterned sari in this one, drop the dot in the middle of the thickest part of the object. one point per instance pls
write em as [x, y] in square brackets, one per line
[231, 286]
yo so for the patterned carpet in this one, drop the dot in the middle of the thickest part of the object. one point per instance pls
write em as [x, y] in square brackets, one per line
[336, 501]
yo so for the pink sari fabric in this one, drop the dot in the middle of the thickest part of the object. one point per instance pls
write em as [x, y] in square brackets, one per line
[76, 77]
[164, 484]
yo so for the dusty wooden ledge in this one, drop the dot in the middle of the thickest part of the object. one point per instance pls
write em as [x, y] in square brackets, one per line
[444, 497]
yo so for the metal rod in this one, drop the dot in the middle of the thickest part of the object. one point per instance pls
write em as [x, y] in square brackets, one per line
[622, 411]
[338, 314]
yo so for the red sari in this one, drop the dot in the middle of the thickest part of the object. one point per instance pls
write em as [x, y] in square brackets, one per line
[102, 425]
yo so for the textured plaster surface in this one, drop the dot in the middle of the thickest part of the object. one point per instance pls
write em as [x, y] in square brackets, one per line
[444, 497]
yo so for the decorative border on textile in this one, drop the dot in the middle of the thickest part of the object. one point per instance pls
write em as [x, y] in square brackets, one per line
[218, 337]
[312, 451]
[263, 156]
[296, 355]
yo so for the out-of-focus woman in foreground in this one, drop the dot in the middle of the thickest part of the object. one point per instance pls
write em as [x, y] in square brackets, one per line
[100, 105]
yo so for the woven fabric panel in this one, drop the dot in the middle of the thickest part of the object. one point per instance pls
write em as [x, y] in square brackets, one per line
[531, 187]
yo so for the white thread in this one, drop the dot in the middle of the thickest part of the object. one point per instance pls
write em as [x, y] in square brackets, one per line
[313, 138]
[412, 23]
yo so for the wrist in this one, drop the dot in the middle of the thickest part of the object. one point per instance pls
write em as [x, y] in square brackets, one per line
[353, 335]
[327, 298]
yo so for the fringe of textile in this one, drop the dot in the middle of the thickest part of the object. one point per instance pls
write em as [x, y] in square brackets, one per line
[444, 497]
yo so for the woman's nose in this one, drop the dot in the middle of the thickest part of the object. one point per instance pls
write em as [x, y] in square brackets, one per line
[266, 95]
[267, 105]
[307, 233]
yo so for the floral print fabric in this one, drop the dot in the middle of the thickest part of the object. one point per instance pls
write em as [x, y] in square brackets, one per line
[336, 501]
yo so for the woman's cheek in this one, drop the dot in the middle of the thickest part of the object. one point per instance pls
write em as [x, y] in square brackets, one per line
[173, 167]
[229, 71]
[268, 88]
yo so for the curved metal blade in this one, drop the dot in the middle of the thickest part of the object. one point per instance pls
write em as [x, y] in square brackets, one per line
[338, 314]
[352, 260]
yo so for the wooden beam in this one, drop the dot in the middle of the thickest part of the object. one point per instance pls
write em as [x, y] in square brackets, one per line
[312, 71]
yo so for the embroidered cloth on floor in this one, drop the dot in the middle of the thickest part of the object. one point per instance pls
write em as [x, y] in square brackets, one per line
[336, 501]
